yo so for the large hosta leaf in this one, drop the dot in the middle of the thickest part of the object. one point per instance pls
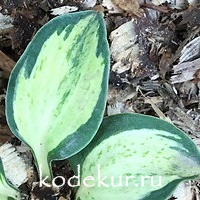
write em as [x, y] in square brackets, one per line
[57, 91]
[135, 157]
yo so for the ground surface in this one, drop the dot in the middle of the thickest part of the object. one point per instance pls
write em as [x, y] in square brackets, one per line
[143, 69]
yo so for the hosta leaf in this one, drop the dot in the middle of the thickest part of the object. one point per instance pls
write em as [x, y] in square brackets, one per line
[138, 157]
[6, 191]
[57, 90]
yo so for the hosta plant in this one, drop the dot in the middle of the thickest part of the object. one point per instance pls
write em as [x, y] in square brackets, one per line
[55, 104]
[136, 157]
[57, 91]
[7, 192]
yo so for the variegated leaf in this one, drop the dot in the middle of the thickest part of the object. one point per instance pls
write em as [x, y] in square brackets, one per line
[57, 90]
[6, 191]
[135, 157]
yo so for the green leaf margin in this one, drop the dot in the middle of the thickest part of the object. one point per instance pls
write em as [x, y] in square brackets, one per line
[7, 191]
